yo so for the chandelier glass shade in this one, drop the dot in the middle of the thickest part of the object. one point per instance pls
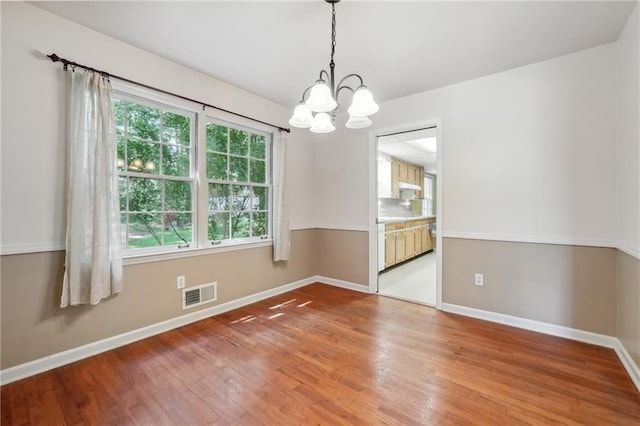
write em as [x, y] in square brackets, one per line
[322, 123]
[321, 98]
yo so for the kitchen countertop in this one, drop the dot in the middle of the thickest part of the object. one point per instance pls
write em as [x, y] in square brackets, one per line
[398, 219]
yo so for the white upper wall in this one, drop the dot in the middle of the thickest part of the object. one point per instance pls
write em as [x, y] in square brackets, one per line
[628, 137]
[529, 154]
[33, 117]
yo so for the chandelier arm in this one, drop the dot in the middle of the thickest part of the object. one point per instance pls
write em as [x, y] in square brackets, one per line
[306, 91]
[338, 92]
[348, 76]
[328, 80]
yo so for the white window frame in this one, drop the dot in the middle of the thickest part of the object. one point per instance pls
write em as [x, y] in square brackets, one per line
[268, 176]
[200, 244]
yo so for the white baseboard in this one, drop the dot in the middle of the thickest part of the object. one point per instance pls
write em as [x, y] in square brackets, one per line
[629, 365]
[342, 284]
[554, 330]
[59, 359]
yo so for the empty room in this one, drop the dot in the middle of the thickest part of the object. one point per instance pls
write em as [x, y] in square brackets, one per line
[320, 212]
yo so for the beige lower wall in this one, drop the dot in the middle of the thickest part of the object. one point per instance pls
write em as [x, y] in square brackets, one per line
[33, 325]
[565, 285]
[343, 255]
[628, 312]
[571, 286]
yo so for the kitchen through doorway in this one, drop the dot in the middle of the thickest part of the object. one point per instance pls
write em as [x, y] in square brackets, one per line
[407, 167]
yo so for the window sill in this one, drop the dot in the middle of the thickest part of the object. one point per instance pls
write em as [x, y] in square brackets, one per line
[136, 259]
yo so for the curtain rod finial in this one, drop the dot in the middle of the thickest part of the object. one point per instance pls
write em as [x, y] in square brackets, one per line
[54, 57]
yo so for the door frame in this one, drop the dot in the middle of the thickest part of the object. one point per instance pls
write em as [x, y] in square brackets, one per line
[373, 199]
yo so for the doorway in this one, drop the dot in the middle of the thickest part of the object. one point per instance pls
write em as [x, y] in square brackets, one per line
[406, 215]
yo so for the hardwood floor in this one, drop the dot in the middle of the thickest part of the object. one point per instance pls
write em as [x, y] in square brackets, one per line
[324, 355]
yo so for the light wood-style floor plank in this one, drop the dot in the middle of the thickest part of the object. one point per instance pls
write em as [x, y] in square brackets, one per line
[324, 355]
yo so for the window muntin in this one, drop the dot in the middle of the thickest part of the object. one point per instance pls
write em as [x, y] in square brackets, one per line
[157, 183]
[238, 176]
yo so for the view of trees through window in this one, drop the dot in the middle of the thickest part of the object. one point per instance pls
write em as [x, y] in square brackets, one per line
[154, 163]
[158, 169]
[237, 171]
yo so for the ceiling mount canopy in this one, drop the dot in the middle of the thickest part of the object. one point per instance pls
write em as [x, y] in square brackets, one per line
[321, 98]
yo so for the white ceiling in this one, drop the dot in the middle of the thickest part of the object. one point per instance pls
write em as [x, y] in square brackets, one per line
[276, 49]
[416, 147]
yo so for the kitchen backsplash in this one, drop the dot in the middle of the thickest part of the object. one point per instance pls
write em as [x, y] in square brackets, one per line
[397, 207]
[394, 207]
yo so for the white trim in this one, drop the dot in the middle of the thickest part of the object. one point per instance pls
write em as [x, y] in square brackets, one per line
[190, 252]
[363, 288]
[25, 248]
[373, 198]
[554, 330]
[356, 228]
[535, 239]
[59, 359]
[330, 227]
[439, 214]
[373, 211]
[533, 325]
[300, 227]
[631, 251]
[628, 363]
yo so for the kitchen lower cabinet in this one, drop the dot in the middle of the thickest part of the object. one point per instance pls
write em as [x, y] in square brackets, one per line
[389, 246]
[418, 238]
[405, 240]
[409, 242]
[400, 243]
[425, 237]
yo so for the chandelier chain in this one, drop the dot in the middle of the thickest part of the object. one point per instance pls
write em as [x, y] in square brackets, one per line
[333, 30]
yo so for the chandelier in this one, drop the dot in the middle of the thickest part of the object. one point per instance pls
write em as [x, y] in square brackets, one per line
[321, 97]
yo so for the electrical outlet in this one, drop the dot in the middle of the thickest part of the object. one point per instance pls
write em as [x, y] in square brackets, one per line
[180, 281]
[479, 279]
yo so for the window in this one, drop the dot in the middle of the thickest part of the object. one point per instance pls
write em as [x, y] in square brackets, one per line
[160, 182]
[237, 175]
[427, 191]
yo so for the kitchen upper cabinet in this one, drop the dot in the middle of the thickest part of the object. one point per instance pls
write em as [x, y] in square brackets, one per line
[404, 172]
[395, 178]
[412, 171]
[401, 171]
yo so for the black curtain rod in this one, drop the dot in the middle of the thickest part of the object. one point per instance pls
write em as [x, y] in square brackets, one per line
[56, 58]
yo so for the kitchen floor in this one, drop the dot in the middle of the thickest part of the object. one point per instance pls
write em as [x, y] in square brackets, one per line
[414, 281]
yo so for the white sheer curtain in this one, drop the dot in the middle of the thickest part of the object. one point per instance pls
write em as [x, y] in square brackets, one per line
[281, 245]
[93, 265]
